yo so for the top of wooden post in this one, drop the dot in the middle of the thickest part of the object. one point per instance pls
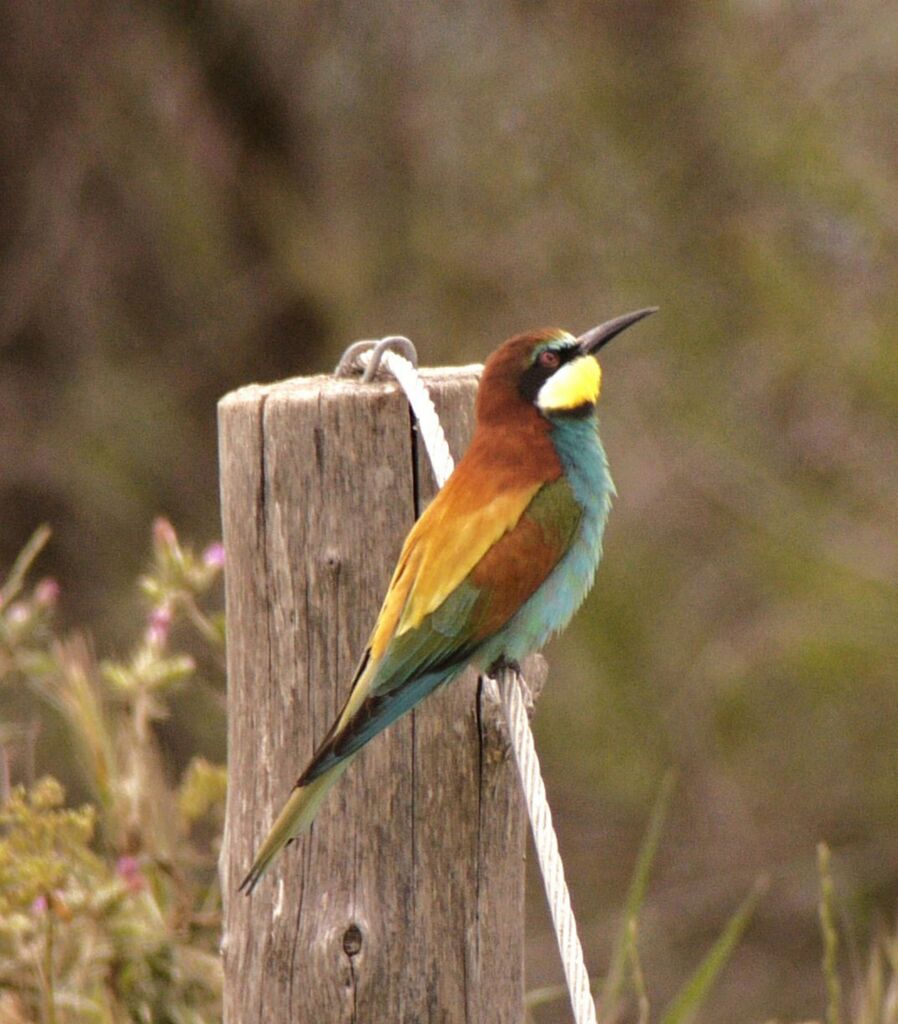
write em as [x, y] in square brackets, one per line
[302, 388]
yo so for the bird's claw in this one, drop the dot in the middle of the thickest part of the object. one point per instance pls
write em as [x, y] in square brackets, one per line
[491, 682]
[503, 664]
[490, 678]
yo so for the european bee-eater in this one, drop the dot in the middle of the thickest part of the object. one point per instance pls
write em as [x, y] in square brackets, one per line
[498, 562]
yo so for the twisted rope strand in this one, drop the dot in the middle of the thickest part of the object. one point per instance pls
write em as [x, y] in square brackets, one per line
[425, 413]
[546, 842]
[510, 687]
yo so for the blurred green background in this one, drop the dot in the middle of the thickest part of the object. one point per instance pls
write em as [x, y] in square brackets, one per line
[198, 195]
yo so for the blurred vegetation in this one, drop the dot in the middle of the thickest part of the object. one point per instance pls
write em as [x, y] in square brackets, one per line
[201, 194]
[110, 912]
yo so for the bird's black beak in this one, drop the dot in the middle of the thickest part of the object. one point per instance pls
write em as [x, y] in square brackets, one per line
[593, 340]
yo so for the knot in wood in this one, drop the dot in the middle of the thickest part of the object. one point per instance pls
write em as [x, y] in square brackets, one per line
[352, 940]
[332, 562]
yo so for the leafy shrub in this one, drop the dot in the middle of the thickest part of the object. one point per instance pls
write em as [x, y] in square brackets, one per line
[111, 912]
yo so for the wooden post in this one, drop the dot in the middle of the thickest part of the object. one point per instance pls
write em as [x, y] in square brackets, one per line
[404, 904]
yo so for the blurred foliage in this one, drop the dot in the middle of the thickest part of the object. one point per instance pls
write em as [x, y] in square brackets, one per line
[109, 912]
[201, 194]
[624, 994]
[612, 1004]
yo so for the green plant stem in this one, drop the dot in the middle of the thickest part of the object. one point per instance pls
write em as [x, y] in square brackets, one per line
[13, 582]
[636, 893]
[688, 1001]
[541, 996]
[201, 621]
[830, 937]
[642, 997]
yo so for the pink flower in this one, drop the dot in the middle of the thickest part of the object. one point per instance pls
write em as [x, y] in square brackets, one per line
[39, 905]
[128, 869]
[18, 613]
[159, 625]
[214, 555]
[164, 535]
[46, 593]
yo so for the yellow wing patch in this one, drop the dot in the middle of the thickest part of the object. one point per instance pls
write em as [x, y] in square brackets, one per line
[442, 548]
[477, 506]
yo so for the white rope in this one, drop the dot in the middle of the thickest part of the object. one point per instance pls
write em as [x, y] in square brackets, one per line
[546, 843]
[510, 686]
[425, 413]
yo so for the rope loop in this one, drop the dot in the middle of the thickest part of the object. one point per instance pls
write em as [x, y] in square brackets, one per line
[351, 360]
[510, 687]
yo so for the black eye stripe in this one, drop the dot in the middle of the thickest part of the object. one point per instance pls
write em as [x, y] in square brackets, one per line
[533, 378]
[566, 353]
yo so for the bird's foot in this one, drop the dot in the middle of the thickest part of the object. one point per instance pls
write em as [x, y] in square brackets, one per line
[491, 679]
[502, 664]
[496, 676]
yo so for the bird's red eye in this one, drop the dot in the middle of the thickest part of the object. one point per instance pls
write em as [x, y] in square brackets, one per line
[549, 360]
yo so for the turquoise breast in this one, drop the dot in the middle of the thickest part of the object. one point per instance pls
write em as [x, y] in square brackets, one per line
[554, 604]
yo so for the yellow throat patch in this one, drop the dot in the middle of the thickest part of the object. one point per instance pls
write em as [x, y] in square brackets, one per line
[574, 384]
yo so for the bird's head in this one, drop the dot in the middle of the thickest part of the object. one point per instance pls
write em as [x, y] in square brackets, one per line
[550, 370]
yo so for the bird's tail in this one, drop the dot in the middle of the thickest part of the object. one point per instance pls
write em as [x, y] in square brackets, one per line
[294, 819]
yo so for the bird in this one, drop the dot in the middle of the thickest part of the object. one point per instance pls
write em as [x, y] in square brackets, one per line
[498, 562]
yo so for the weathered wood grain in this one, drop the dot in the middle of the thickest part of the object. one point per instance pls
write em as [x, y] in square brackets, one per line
[405, 901]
